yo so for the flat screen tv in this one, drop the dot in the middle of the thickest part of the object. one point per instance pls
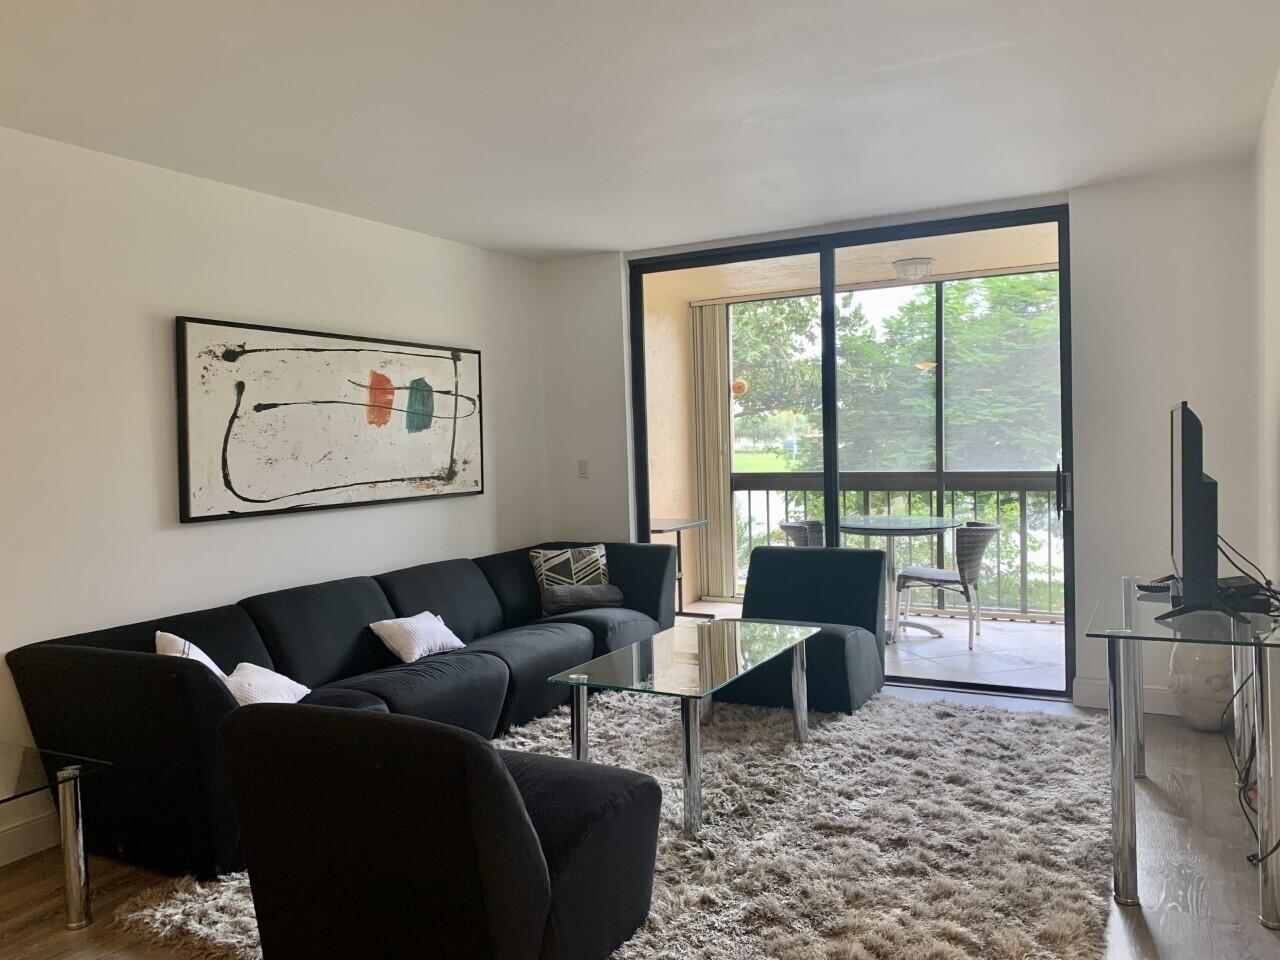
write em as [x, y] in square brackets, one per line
[1193, 517]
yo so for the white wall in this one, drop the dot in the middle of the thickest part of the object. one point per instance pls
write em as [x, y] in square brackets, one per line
[1267, 171]
[1163, 309]
[97, 255]
[587, 370]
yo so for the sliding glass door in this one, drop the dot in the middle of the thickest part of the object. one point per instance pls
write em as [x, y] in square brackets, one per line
[949, 404]
[904, 372]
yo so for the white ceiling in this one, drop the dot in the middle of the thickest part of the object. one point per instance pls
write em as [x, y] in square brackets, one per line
[565, 125]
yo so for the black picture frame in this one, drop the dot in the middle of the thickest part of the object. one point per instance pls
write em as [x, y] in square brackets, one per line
[183, 408]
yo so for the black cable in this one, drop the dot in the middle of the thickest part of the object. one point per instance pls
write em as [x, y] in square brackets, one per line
[1265, 583]
[1256, 858]
[1267, 588]
[1237, 552]
[1242, 793]
[1222, 721]
[1242, 797]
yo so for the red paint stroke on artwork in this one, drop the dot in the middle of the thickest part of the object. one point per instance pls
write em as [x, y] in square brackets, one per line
[381, 397]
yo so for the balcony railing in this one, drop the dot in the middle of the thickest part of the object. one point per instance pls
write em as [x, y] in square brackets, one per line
[1022, 571]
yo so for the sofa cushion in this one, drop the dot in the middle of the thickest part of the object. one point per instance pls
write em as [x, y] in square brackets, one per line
[591, 821]
[572, 597]
[612, 627]
[460, 688]
[171, 645]
[226, 635]
[532, 653]
[320, 633]
[253, 684]
[510, 574]
[411, 638]
[456, 590]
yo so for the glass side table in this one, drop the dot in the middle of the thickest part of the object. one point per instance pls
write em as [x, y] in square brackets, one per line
[1126, 619]
[27, 770]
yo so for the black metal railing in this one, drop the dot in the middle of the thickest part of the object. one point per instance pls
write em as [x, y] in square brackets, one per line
[1022, 569]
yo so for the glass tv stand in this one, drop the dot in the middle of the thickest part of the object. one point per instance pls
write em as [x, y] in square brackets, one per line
[1126, 619]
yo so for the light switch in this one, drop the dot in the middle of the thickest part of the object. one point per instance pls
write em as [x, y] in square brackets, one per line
[582, 470]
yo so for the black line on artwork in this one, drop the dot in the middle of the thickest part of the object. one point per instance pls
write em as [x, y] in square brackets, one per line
[453, 440]
[438, 393]
[263, 407]
[232, 354]
[231, 488]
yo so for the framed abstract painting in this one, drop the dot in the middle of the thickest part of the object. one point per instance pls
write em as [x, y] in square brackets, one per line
[273, 420]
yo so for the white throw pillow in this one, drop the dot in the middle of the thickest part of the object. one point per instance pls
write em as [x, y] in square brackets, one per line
[250, 683]
[174, 646]
[411, 638]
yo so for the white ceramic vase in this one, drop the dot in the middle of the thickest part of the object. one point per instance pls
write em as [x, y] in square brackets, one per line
[1200, 681]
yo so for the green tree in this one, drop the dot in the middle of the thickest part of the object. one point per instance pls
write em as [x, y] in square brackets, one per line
[1002, 404]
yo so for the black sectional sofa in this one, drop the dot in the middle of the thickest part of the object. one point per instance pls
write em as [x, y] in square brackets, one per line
[167, 801]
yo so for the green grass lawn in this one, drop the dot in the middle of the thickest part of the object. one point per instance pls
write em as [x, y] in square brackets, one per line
[759, 461]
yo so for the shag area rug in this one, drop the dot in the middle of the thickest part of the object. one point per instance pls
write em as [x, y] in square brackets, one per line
[908, 831]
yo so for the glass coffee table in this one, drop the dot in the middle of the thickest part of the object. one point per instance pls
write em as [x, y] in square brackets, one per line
[25, 771]
[691, 661]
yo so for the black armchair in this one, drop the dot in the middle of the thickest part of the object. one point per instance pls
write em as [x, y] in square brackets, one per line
[387, 836]
[838, 589]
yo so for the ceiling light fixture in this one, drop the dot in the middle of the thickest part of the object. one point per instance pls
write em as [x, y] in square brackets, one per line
[914, 270]
[926, 364]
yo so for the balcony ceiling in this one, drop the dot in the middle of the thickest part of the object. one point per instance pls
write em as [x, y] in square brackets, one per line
[571, 125]
[1005, 250]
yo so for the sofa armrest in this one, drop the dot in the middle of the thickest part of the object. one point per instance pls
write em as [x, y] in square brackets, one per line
[646, 573]
[345, 697]
[166, 801]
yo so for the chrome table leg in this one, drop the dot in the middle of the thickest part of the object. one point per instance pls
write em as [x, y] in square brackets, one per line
[1124, 703]
[799, 693]
[578, 723]
[1266, 681]
[75, 865]
[1242, 705]
[692, 764]
[1138, 686]
[1130, 587]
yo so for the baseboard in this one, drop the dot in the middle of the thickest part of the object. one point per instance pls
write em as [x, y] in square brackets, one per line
[22, 839]
[1089, 692]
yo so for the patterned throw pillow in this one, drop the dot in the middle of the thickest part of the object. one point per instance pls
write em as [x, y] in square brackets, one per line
[570, 566]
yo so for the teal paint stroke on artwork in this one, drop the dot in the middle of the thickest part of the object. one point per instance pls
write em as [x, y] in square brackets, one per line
[420, 406]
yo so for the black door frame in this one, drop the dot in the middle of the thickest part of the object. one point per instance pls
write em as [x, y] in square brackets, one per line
[824, 246]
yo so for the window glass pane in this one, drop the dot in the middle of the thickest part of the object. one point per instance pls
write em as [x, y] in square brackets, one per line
[775, 379]
[1002, 401]
[885, 369]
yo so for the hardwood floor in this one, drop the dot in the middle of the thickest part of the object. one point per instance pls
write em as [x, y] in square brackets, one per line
[1199, 895]
[31, 918]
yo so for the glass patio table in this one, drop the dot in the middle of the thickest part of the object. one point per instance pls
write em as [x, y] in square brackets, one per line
[891, 527]
[692, 661]
[1127, 618]
[25, 771]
